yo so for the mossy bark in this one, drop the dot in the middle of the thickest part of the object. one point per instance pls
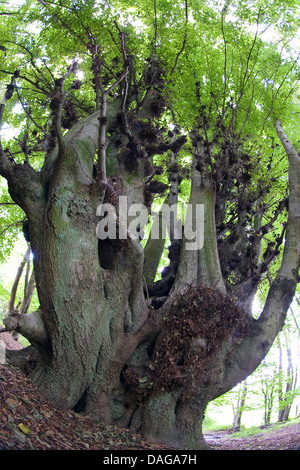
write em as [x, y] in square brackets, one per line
[93, 309]
[90, 313]
[201, 265]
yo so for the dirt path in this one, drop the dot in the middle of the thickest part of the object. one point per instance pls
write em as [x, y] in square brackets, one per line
[284, 438]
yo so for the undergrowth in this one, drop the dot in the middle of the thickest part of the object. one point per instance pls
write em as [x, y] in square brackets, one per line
[247, 432]
[210, 425]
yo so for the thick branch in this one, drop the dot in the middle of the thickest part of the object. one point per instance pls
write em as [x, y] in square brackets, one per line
[23, 181]
[25, 188]
[28, 290]
[154, 247]
[184, 39]
[29, 325]
[58, 102]
[6, 166]
[82, 138]
[174, 181]
[7, 96]
[126, 65]
[263, 331]
[199, 261]
[294, 171]
[102, 144]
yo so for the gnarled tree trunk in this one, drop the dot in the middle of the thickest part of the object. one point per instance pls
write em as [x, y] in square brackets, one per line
[98, 346]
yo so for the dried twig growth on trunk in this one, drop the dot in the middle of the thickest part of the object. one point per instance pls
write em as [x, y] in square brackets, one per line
[202, 320]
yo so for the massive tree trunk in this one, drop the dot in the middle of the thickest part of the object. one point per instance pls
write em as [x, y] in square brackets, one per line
[98, 346]
[89, 312]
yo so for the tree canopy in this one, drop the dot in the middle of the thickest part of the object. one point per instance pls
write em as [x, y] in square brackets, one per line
[224, 68]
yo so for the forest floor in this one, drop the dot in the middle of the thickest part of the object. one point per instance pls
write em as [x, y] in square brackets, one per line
[273, 437]
[29, 422]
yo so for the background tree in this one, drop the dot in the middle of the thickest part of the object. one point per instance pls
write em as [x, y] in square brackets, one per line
[268, 383]
[286, 375]
[146, 99]
[238, 408]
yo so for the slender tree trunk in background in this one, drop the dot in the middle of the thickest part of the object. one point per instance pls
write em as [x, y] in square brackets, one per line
[28, 291]
[268, 387]
[154, 249]
[29, 286]
[239, 407]
[12, 301]
[284, 397]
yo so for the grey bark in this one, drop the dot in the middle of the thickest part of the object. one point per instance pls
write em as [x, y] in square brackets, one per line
[85, 303]
[264, 330]
[239, 407]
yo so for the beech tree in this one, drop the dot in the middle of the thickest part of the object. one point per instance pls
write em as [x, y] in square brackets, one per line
[136, 105]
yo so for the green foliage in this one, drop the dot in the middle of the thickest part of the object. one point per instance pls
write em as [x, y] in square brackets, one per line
[263, 387]
[210, 424]
[4, 298]
[289, 398]
[10, 222]
[247, 432]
